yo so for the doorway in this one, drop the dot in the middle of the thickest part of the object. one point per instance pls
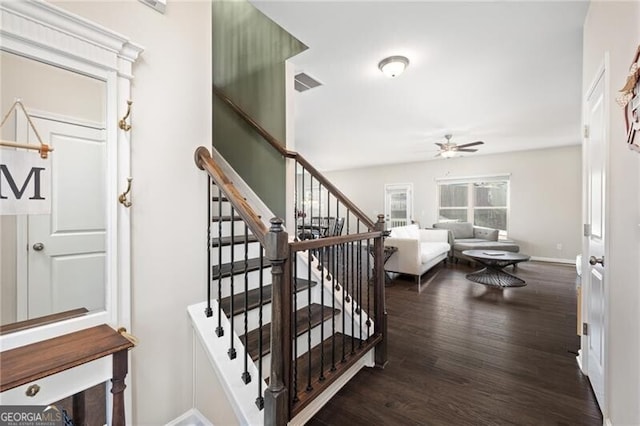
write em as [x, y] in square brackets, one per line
[61, 256]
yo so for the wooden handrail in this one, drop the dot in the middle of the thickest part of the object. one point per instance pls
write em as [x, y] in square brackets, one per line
[280, 147]
[205, 162]
[333, 241]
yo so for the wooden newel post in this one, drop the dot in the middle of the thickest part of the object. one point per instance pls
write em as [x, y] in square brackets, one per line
[276, 396]
[379, 303]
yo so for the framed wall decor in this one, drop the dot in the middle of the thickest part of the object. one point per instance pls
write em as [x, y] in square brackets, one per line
[629, 99]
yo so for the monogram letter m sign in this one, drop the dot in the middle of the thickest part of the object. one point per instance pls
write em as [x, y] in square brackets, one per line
[25, 183]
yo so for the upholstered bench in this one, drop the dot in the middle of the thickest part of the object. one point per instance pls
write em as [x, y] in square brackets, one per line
[464, 236]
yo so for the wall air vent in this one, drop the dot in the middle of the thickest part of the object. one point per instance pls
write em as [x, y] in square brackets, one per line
[304, 82]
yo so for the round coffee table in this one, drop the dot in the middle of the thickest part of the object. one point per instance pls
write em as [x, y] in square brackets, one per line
[494, 261]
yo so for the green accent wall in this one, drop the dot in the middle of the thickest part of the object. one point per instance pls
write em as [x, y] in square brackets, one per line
[249, 53]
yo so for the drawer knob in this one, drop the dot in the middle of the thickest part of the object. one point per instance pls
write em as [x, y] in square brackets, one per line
[32, 390]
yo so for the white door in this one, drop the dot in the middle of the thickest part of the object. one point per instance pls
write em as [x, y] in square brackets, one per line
[66, 249]
[594, 280]
[398, 204]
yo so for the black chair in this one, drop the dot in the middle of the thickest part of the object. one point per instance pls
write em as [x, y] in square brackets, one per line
[336, 229]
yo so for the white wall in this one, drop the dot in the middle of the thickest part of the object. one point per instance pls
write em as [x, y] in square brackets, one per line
[171, 116]
[545, 193]
[614, 27]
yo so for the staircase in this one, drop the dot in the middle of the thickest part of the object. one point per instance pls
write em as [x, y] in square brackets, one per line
[288, 320]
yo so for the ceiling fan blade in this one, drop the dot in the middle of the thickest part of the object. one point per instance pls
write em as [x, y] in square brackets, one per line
[470, 144]
[437, 155]
[466, 150]
[440, 145]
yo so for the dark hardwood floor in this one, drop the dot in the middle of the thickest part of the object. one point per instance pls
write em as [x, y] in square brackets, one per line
[464, 354]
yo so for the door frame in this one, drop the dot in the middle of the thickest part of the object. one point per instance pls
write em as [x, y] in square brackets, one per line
[583, 357]
[409, 189]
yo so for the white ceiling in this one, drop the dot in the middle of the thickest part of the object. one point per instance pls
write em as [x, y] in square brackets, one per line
[504, 72]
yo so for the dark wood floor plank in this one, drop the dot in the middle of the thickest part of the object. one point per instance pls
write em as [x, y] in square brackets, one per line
[463, 354]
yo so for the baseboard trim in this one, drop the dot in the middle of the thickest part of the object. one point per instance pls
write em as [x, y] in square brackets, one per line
[193, 417]
[553, 260]
[579, 359]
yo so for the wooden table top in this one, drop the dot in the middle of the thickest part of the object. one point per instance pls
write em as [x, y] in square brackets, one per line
[497, 255]
[32, 362]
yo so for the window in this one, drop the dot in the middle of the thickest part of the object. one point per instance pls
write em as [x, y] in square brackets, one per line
[483, 201]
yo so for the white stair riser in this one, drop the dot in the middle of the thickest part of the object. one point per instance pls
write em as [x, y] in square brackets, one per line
[253, 251]
[252, 319]
[223, 210]
[238, 282]
[238, 227]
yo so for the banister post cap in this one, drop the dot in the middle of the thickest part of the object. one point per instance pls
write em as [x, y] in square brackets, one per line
[276, 224]
[276, 245]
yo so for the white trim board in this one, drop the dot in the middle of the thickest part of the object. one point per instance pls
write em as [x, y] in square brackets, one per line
[193, 417]
[553, 260]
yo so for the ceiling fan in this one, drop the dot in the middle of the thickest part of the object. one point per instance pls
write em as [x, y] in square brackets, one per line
[449, 149]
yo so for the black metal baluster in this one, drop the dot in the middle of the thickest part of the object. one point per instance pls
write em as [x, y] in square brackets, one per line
[358, 275]
[208, 311]
[219, 329]
[345, 288]
[232, 350]
[246, 376]
[369, 289]
[260, 399]
[348, 283]
[297, 202]
[353, 293]
[311, 229]
[303, 204]
[321, 377]
[320, 222]
[294, 275]
[323, 228]
[330, 233]
[336, 271]
[359, 309]
[309, 387]
[334, 265]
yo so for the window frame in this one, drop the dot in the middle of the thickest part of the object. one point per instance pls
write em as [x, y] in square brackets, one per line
[471, 196]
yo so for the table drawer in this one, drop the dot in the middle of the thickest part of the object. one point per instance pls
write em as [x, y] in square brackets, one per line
[61, 385]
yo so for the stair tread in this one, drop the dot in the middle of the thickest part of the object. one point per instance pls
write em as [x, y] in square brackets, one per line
[319, 313]
[238, 239]
[223, 199]
[253, 299]
[224, 270]
[226, 218]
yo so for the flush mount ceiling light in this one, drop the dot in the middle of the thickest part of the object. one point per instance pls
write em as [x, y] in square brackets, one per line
[393, 66]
